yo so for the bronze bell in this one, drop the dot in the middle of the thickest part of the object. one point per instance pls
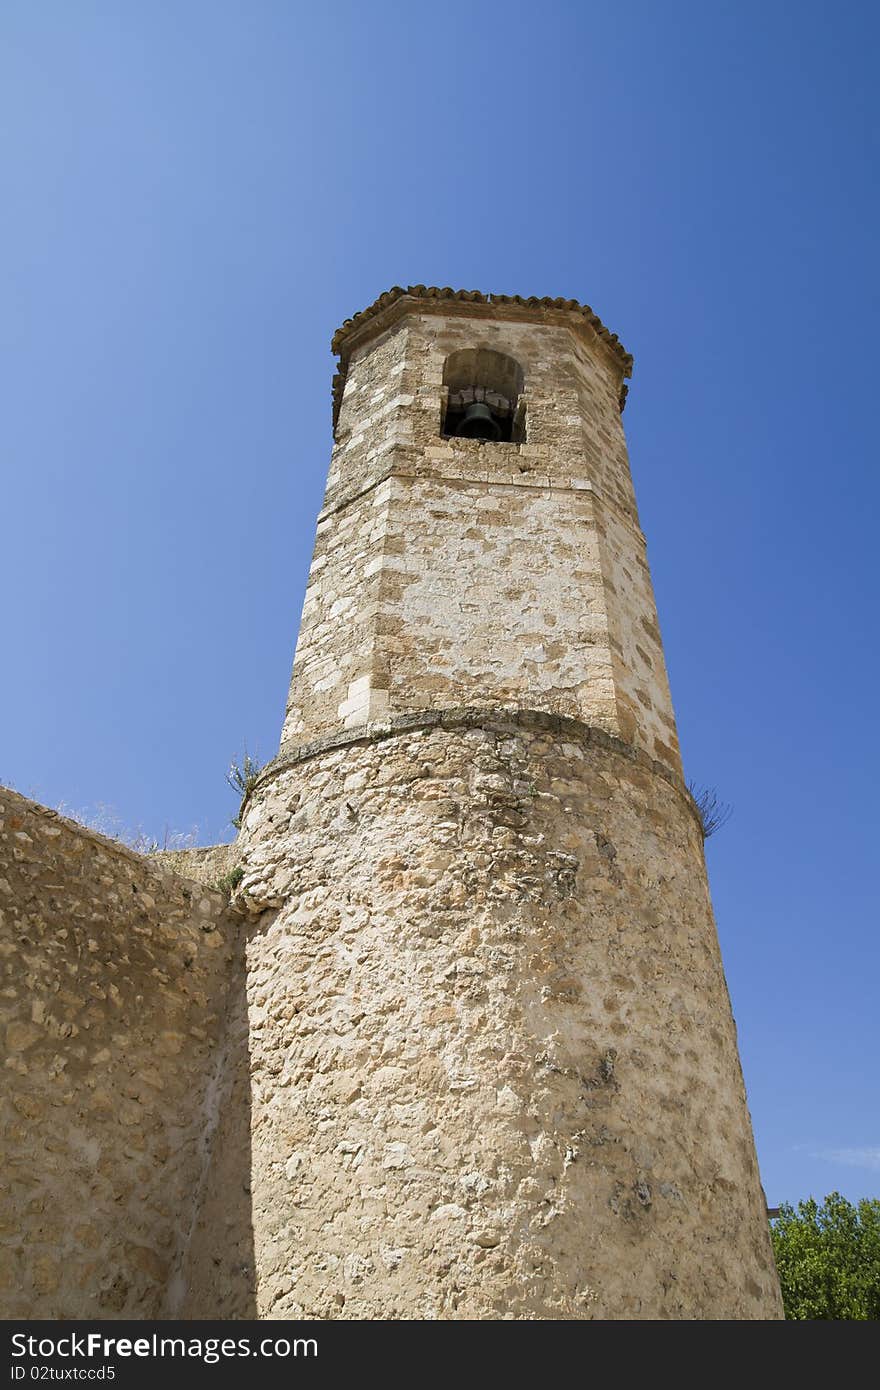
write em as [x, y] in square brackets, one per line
[478, 422]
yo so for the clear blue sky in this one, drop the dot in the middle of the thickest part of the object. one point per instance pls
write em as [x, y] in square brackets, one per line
[194, 194]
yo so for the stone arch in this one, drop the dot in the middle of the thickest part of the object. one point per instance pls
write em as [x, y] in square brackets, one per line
[482, 376]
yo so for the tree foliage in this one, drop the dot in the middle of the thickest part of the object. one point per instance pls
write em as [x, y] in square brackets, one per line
[828, 1258]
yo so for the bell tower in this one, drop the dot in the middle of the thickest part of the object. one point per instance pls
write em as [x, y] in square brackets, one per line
[494, 1068]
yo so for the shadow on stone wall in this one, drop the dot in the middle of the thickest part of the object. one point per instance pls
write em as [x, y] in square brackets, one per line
[216, 1277]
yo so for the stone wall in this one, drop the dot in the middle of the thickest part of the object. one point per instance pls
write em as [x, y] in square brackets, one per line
[643, 702]
[116, 975]
[207, 864]
[494, 1068]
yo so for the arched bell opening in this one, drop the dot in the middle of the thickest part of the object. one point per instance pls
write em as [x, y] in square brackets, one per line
[483, 397]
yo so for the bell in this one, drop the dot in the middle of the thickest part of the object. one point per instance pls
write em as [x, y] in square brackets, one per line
[478, 422]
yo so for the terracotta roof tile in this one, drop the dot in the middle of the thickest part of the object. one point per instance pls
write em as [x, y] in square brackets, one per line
[477, 297]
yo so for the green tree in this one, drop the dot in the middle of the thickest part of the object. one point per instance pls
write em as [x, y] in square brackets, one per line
[828, 1258]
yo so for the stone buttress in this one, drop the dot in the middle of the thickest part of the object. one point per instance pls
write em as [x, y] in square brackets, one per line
[494, 1071]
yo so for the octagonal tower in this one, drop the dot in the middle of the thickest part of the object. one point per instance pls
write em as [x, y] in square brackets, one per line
[494, 1068]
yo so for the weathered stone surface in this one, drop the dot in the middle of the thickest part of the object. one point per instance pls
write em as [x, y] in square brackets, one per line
[208, 864]
[493, 1065]
[115, 976]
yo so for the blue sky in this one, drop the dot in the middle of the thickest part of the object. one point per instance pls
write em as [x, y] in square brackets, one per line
[196, 194]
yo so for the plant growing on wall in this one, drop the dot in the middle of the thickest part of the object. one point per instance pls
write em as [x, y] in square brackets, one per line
[712, 812]
[242, 777]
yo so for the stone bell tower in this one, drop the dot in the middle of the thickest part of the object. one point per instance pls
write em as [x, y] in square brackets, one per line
[494, 1068]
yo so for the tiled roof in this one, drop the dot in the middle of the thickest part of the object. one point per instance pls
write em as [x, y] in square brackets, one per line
[477, 297]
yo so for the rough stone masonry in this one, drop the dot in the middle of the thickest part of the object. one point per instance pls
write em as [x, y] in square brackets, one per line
[477, 1057]
[494, 1068]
